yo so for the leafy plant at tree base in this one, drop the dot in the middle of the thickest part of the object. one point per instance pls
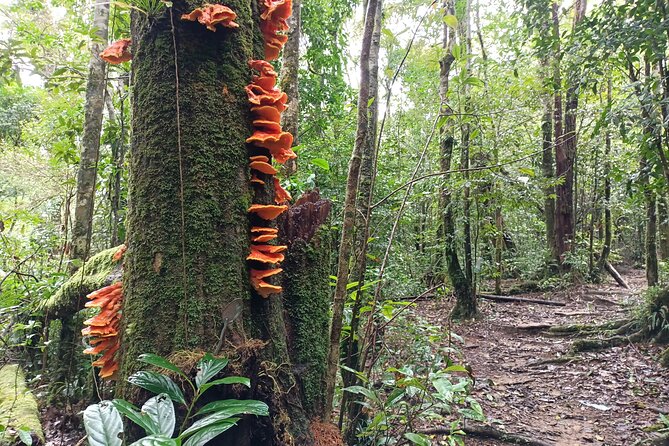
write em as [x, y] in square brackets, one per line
[157, 416]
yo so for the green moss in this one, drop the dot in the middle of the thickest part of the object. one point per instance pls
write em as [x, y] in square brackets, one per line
[307, 301]
[98, 271]
[18, 406]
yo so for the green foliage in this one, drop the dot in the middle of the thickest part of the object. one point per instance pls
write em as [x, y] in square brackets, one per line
[157, 416]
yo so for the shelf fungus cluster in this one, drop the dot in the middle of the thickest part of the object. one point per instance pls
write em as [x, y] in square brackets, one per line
[211, 15]
[269, 142]
[117, 52]
[103, 329]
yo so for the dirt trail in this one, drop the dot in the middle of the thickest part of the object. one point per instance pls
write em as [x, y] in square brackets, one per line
[601, 398]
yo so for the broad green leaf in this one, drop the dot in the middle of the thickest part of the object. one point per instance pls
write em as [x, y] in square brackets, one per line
[103, 424]
[161, 362]
[156, 440]
[418, 439]
[527, 171]
[362, 391]
[201, 437]
[474, 81]
[161, 411]
[157, 383]
[226, 380]
[25, 437]
[207, 368]
[207, 421]
[451, 21]
[134, 415]
[236, 407]
[320, 162]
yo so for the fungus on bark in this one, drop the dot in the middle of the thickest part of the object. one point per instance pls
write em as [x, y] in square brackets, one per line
[263, 230]
[267, 113]
[263, 288]
[263, 167]
[211, 15]
[262, 238]
[274, 22]
[103, 329]
[267, 211]
[117, 52]
[264, 257]
[256, 180]
[281, 195]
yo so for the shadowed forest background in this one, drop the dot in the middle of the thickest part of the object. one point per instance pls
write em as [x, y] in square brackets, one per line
[471, 245]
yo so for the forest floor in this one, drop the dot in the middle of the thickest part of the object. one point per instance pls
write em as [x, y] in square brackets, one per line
[600, 398]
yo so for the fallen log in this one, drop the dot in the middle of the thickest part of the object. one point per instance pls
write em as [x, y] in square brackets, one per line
[486, 431]
[616, 275]
[521, 299]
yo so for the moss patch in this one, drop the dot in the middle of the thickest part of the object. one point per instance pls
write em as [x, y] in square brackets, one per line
[96, 273]
[18, 407]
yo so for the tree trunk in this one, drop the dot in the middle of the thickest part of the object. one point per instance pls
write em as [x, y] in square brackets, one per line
[82, 228]
[363, 216]
[606, 247]
[565, 151]
[549, 175]
[652, 273]
[347, 233]
[663, 227]
[188, 224]
[465, 306]
[290, 65]
[466, 37]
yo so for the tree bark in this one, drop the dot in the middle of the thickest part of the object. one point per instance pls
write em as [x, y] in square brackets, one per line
[362, 228]
[188, 223]
[82, 227]
[606, 246]
[466, 37]
[347, 233]
[290, 65]
[465, 306]
[565, 151]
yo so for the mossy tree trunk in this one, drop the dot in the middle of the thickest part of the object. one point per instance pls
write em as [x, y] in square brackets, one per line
[465, 306]
[187, 217]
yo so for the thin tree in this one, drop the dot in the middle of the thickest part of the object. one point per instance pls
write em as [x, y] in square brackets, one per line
[82, 227]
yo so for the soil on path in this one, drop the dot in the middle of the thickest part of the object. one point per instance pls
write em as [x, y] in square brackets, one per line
[600, 398]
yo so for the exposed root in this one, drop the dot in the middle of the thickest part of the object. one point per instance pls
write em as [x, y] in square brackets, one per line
[589, 329]
[584, 345]
[487, 431]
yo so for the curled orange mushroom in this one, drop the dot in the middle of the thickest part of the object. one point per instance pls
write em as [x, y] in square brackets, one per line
[263, 288]
[263, 238]
[118, 255]
[267, 113]
[273, 249]
[281, 195]
[267, 211]
[264, 257]
[256, 180]
[263, 167]
[277, 11]
[260, 96]
[271, 141]
[263, 230]
[262, 158]
[212, 15]
[117, 52]
[265, 68]
[267, 126]
[103, 328]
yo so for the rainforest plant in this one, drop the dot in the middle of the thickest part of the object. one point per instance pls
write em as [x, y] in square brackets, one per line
[157, 417]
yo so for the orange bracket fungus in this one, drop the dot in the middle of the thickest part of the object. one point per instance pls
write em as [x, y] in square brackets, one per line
[264, 288]
[103, 328]
[211, 15]
[117, 52]
[267, 104]
[267, 211]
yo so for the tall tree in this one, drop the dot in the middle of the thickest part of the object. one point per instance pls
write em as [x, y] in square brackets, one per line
[82, 227]
[566, 142]
[348, 224]
[185, 271]
[466, 299]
